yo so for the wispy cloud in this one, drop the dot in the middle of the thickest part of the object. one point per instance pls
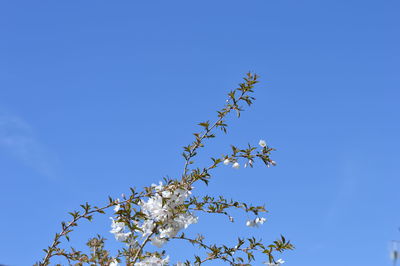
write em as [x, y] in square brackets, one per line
[18, 139]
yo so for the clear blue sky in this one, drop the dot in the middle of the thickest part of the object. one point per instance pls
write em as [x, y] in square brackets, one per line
[97, 96]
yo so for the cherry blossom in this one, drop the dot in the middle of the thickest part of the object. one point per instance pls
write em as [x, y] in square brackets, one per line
[262, 143]
[256, 222]
[153, 261]
[277, 263]
[118, 229]
[162, 209]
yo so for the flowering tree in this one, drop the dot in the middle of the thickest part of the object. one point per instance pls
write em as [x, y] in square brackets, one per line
[159, 213]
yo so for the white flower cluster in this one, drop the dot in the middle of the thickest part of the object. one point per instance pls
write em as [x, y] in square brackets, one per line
[162, 209]
[153, 261]
[235, 165]
[277, 263]
[118, 229]
[114, 263]
[256, 222]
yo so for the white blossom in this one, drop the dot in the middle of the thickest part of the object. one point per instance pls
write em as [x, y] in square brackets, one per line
[249, 162]
[262, 143]
[118, 206]
[118, 228]
[153, 261]
[277, 263]
[236, 165]
[256, 222]
[158, 242]
[226, 161]
[250, 223]
[161, 209]
[114, 263]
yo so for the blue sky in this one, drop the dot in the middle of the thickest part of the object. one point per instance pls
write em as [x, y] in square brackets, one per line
[98, 96]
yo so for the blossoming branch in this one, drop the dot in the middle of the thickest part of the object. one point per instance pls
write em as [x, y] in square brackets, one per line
[161, 212]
